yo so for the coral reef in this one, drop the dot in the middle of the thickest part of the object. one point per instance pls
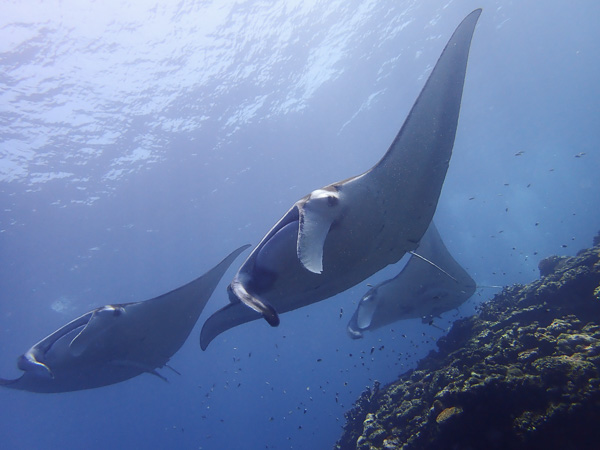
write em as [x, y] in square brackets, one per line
[523, 373]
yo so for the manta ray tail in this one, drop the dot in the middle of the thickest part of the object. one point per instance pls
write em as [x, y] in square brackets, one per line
[155, 373]
[173, 369]
[433, 264]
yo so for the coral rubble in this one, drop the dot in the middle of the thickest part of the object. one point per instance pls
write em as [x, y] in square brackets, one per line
[523, 373]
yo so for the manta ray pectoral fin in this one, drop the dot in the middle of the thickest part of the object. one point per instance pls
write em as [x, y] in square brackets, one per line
[138, 366]
[316, 216]
[232, 315]
[239, 293]
[100, 321]
[10, 383]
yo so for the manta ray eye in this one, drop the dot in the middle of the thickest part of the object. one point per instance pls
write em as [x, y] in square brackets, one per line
[332, 200]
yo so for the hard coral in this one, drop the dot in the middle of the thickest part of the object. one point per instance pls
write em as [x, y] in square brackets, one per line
[523, 373]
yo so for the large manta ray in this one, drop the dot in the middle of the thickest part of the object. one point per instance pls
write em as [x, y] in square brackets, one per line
[420, 290]
[117, 342]
[339, 235]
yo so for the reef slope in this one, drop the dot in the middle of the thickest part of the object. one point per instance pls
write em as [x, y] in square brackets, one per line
[523, 373]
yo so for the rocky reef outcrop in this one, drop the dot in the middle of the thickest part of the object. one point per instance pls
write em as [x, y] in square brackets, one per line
[523, 373]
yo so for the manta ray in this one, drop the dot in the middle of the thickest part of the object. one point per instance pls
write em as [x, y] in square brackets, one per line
[117, 342]
[421, 290]
[339, 235]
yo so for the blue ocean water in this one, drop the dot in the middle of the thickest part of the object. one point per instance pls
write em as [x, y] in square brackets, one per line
[141, 143]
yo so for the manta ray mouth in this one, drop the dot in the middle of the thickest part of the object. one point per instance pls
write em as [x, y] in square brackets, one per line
[280, 246]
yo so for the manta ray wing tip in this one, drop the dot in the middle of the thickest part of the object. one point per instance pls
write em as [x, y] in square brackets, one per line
[8, 383]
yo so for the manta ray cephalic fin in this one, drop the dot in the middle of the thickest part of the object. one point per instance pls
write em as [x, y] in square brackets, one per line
[100, 321]
[238, 291]
[316, 216]
[28, 361]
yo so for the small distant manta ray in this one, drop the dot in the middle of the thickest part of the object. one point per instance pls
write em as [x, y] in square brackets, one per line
[117, 342]
[339, 235]
[431, 283]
